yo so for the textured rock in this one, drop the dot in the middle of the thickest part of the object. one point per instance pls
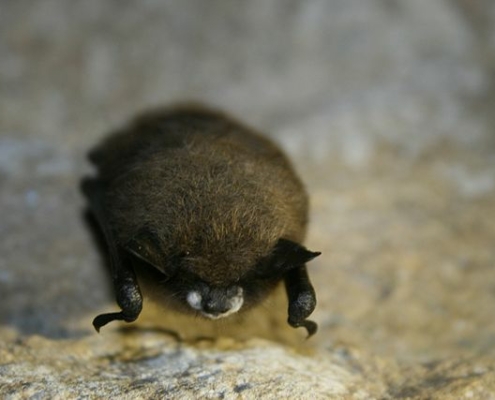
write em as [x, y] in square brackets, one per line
[386, 108]
[150, 364]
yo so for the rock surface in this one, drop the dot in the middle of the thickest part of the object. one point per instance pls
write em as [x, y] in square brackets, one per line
[385, 108]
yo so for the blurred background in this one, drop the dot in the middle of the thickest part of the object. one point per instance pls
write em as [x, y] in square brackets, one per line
[384, 106]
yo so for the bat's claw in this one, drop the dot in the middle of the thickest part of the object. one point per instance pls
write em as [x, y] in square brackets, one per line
[103, 319]
[311, 326]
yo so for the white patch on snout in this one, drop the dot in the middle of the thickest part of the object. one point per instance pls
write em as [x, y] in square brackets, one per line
[235, 303]
[194, 300]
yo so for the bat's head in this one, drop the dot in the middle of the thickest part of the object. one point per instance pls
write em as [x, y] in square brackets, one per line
[214, 285]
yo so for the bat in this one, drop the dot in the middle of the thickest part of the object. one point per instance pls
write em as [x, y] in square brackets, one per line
[201, 213]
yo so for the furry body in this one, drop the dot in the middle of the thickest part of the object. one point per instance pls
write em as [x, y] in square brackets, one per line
[209, 214]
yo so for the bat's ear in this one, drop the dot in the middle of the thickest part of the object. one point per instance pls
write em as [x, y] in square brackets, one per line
[288, 255]
[146, 247]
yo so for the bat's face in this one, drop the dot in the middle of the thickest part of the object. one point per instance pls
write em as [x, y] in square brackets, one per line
[190, 289]
[209, 300]
[199, 285]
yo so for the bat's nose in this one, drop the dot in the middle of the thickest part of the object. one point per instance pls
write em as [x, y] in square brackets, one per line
[215, 307]
[217, 302]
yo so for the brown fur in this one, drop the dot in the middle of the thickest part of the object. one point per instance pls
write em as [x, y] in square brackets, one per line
[205, 185]
[196, 204]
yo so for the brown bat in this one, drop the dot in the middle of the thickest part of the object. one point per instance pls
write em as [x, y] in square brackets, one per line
[203, 213]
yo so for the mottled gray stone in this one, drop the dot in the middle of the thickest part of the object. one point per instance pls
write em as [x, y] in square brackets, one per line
[144, 364]
[386, 108]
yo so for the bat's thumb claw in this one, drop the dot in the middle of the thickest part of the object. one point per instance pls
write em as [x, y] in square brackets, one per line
[103, 319]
